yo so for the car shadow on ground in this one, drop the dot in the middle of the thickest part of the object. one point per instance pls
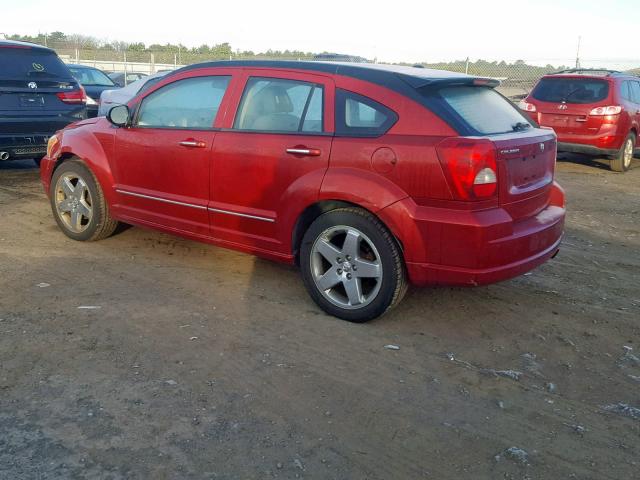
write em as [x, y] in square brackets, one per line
[18, 165]
[601, 163]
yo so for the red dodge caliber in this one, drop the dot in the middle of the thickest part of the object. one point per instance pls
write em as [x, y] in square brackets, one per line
[367, 176]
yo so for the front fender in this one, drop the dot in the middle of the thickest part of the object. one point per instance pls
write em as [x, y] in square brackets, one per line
[90, 144]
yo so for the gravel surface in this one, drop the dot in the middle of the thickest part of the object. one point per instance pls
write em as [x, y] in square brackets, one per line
[146, 356]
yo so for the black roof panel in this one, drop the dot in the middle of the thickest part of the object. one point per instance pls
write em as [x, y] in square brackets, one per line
[377, 73]
[15, 43]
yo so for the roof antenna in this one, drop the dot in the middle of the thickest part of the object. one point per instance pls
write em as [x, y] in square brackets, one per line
[578, 53]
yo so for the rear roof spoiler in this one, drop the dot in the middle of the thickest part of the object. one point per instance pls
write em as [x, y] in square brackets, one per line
[419, 82]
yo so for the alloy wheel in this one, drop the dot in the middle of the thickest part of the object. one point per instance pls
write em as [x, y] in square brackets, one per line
[346, 267]
[73, 202]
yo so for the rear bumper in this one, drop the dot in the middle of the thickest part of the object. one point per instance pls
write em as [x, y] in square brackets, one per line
[26, 137]
[24, 146]
[475, 248]
[607, 141]
[586, 149]
[92, 111]
[428, 274]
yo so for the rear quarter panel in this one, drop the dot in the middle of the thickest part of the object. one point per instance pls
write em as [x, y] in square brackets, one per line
[377, 172]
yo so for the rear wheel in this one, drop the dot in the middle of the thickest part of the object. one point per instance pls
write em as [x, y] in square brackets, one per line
[78, 203]
[622, 161]
[351, 265]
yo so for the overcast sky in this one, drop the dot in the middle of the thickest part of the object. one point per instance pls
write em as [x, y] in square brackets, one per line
[398, 30]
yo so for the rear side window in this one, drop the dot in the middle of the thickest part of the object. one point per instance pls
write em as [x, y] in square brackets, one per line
[278, 105]
[31, 64]
[625, 91]
[635, 92]
[483, 109]
[571, 90]
[191, 103]
[361, 116]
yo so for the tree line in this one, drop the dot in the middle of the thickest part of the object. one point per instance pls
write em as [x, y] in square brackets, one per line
[85, 42]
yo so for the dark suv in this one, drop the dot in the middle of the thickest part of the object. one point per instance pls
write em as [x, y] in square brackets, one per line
[595, 112]
[38, 96]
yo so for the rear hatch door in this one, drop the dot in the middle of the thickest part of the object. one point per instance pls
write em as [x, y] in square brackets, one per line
[30, 79]
[526, 165]
[525, 155]
[564, 103]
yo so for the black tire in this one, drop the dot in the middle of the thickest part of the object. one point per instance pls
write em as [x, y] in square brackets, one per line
[386, 254]
[621, 162]
[100, 225]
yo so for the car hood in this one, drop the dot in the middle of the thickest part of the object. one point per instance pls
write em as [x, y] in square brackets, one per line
[116, 96]
[81, 123]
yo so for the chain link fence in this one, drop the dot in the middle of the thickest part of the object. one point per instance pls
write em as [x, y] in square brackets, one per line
[517, 78]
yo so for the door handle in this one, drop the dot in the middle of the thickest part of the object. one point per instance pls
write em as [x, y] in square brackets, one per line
[304, 151]
[192, 143]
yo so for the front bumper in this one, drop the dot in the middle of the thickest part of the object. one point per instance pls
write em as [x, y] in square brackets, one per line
[474, 248]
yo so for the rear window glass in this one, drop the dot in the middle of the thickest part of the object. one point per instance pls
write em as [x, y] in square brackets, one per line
[571, 90]
[483, 109]
[32, 64]
[91, 77]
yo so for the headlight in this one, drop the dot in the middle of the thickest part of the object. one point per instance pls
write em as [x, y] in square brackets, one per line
[53, 141]
[91, 101]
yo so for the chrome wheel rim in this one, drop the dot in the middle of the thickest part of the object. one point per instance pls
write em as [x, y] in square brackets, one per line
[346, 267]
[628, 153]
[73, 202]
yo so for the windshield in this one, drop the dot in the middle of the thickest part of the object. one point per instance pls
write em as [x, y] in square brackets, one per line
[91, 76]
[484, 110]
[32, 64]
[571, 90]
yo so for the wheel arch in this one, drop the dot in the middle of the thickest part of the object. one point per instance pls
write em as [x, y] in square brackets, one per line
[90, 151]
[315, 210]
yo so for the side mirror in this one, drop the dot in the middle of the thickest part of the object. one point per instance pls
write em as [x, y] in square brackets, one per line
[119, 116]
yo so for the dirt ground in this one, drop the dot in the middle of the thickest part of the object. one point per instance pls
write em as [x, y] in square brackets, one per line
[196, 362]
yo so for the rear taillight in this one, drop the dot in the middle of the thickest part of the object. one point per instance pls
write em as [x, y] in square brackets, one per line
[73, 96]
[470, 167]
[610, 110]
[526, 106]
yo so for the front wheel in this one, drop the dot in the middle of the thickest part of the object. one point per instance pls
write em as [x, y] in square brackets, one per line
[78, 203]
[351, 265]
[622, 161]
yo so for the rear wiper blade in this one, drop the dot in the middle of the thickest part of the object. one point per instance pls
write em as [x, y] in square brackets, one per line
[520, 126]
[571, 94]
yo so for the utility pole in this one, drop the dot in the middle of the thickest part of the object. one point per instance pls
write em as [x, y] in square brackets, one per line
[578, 53]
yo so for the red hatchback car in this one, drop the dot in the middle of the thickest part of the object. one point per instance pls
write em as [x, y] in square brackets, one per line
[594, 112]
[365, 175]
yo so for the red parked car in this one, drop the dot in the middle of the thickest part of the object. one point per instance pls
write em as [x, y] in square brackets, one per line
[367, 176]
[594, 112]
